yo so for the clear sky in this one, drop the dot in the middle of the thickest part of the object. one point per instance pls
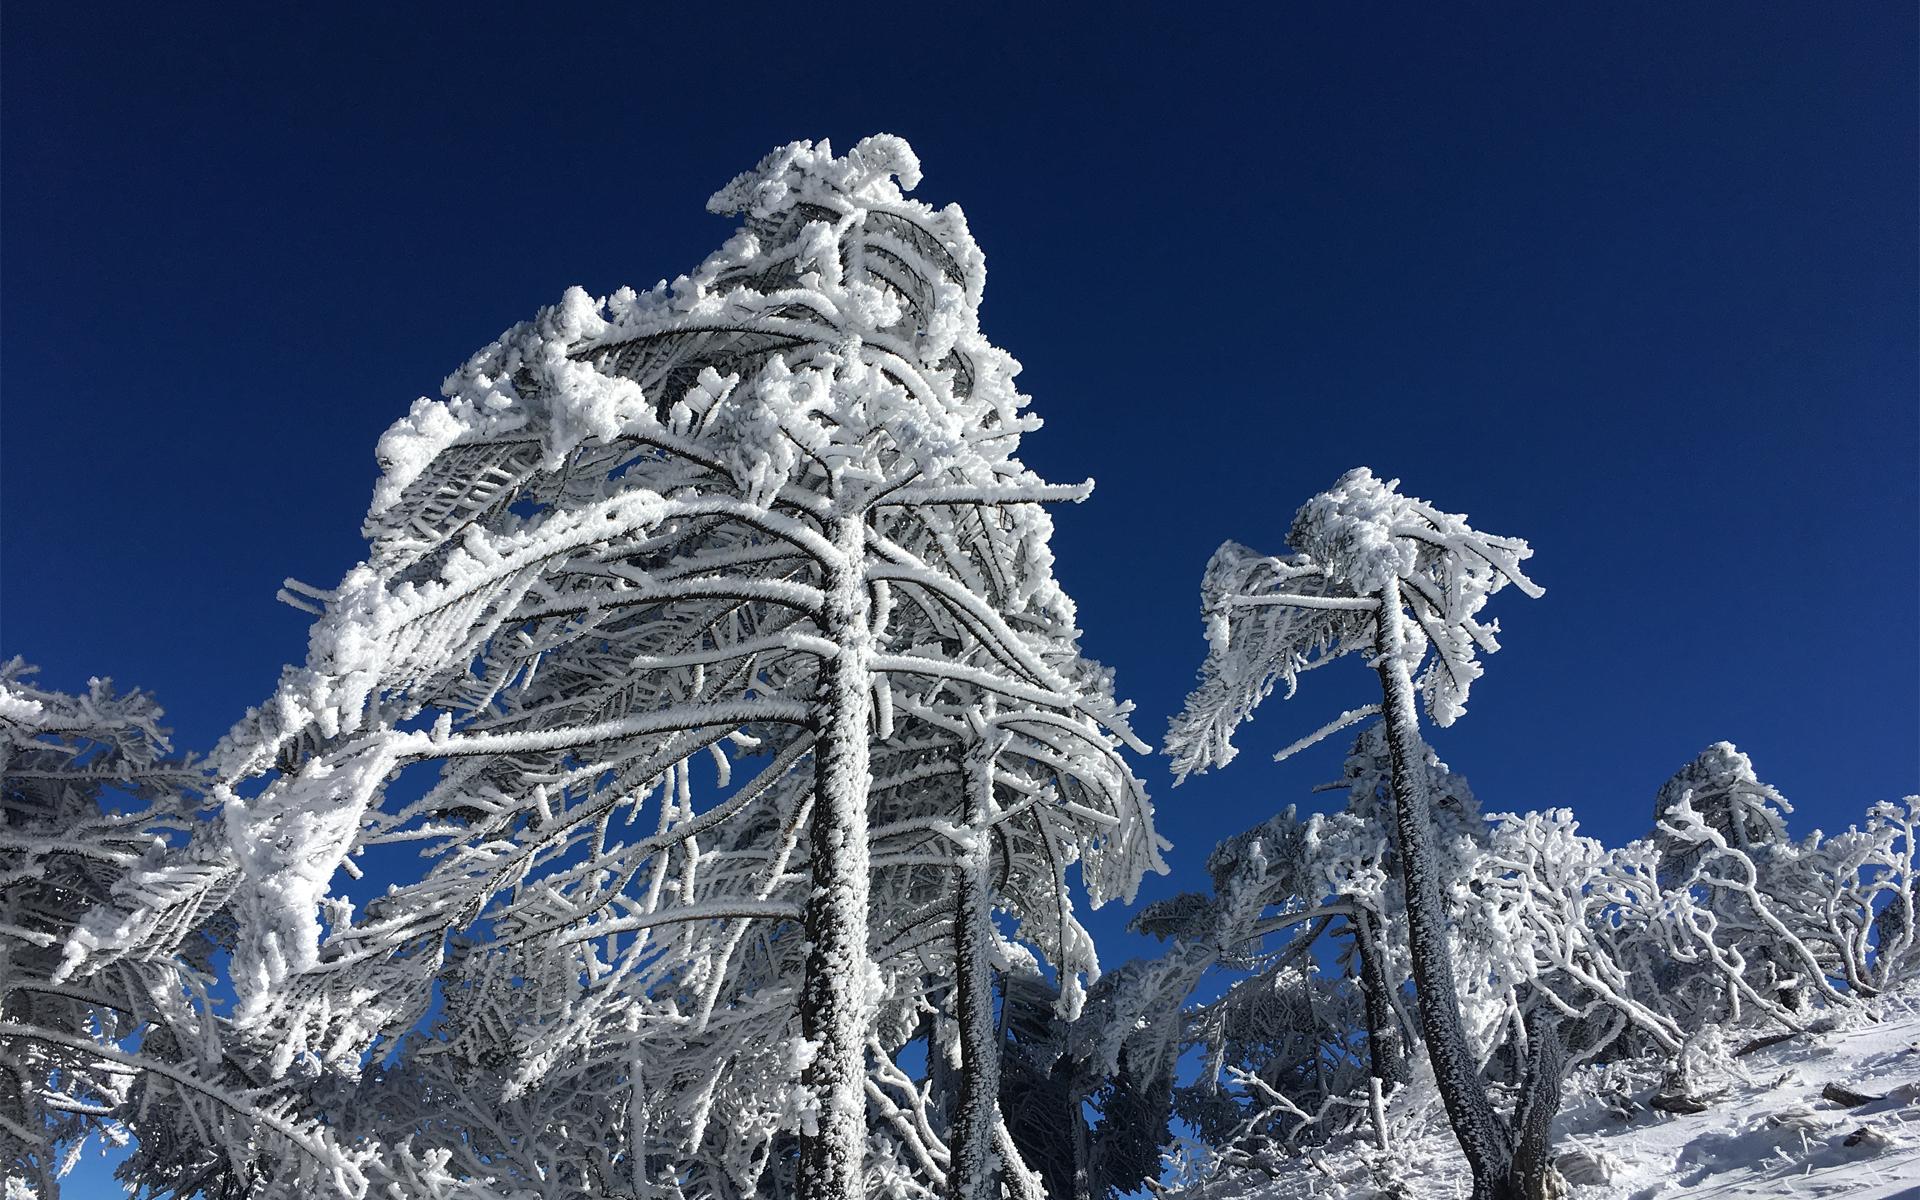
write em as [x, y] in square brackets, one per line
[1636, 282]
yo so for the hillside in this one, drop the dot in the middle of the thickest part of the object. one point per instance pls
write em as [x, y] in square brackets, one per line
[1768, 1131]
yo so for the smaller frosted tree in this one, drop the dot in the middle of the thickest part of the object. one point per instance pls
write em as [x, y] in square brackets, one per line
[114, 883]
[1730, 798]
[1782, 922]
[1379, 571]
[1717, 793]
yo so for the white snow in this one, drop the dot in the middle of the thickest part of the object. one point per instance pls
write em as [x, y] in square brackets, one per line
[1771, 1136]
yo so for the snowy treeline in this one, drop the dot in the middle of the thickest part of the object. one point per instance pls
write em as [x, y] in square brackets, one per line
[710, 716]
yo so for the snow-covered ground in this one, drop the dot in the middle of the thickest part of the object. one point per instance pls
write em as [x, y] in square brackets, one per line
[1768, 1131]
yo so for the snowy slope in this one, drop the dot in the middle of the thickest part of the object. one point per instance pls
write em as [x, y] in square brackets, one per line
[1775, 1133]
[1769, 1131]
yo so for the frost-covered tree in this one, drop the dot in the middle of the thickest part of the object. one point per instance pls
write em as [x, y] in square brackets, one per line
[1286, 1046]
[1050, 1086]
[112, 908]
[769, 514]
[1721, 786]
[1876, 880]
[1280, 891]
[1374, 570]
[1781, 923]
[1262, 920]
[1719, 794]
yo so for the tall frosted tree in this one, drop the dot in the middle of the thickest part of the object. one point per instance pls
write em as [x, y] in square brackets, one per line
[768, 511]
[1380, 572]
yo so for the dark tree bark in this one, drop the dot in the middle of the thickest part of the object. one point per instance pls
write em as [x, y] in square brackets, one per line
[973, 1175]
[834, 1002]
[1385, 1050]
[1469, 1108]
[1532, 1175]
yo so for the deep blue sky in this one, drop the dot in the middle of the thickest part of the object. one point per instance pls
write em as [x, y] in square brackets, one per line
[1636, 282]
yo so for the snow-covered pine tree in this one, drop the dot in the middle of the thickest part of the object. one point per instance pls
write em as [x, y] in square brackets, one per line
[1721, 790]
[1782, 922]
[1050, 1084]
[771, 508]
[1282, 1025]
[1279, 1023]
[1378, 571]
[1730, 798]
[111, 913]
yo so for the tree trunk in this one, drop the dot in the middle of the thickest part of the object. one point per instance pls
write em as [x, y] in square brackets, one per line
[1384, 1049]
[973, 1175]
[1082, 1144]
[1377, 1108]
[835, 1005]
[1532, 1175]
[1022, 1183]
[1469, 1108]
